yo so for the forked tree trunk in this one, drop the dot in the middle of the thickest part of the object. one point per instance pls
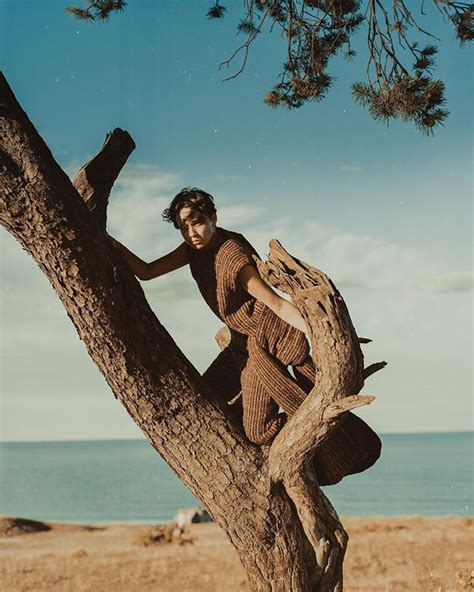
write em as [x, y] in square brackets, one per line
[286, 533]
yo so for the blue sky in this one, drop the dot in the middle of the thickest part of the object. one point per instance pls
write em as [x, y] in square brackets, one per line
[384, 211]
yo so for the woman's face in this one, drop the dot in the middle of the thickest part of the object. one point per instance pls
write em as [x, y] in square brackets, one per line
[197, 231]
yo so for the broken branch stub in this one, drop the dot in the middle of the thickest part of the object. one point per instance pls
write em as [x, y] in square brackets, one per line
[94, 180]
[373, 368]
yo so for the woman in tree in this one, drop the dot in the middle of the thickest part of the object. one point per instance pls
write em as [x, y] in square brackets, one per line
[267, 335]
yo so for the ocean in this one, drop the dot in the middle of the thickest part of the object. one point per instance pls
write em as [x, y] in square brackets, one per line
[126, 481]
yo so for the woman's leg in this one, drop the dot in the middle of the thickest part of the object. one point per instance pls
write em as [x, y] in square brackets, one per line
[274, 378]
[222, 378]
[262, 422]
[305, 374]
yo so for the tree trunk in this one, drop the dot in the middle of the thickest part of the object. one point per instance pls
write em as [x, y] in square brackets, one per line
[286, 533]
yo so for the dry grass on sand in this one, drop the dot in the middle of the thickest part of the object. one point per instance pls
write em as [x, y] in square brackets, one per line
[406, 554]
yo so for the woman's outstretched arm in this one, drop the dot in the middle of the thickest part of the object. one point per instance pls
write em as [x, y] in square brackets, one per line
[256, 287]
[147, 271]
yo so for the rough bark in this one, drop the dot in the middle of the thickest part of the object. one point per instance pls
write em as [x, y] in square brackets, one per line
[95, 179]
[285, 531]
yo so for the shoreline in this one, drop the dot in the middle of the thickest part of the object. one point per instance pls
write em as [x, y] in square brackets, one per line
[141, 439]
[392, 554]
[144, 523]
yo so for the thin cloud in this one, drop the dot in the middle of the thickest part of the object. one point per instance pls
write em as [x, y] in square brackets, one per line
[172, 287]
[361, 261]
[350, 168]
[383, 279]
[456, 281]
[138, 198]
[235, 215]
[226, 178]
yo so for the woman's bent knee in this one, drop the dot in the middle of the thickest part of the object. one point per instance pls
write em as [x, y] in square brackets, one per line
[264, 435]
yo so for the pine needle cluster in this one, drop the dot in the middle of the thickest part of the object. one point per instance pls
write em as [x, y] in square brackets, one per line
[411, 98]
[461, 15]
[97, 10]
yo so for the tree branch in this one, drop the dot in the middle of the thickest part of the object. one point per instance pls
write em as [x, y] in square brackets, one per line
[336, 351]
[94, 180]
[339, 377]
[373, 368]
[322, 527]
[316, 32]
[300, 438]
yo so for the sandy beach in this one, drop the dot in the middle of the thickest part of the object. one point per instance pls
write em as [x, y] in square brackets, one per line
[385, 554]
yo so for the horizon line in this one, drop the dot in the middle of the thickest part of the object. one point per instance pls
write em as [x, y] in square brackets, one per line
[145, 440]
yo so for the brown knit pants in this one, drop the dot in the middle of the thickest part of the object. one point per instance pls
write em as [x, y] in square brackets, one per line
[223, 380]
[352, 448]
[267, 386]
[258, 364]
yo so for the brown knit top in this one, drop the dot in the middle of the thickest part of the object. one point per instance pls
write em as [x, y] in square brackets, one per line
[216, 269]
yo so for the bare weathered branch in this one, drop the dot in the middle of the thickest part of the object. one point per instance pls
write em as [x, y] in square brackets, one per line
[300, 438]
[339, 377]
[337, 408]
[336, 350]
[94, 180]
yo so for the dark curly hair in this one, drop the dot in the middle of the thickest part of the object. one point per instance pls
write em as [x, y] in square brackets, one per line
[200, 202]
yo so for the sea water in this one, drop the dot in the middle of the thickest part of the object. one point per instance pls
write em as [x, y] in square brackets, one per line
[126, 480]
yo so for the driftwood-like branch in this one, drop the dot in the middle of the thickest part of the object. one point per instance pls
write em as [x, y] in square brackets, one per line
[336, 351]
[94, 180]
[339, 377]
[299, 439]
[339, 407]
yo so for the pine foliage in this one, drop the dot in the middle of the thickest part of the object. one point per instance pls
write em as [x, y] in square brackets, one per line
[216, 11]
[399, 82]
[97, 10]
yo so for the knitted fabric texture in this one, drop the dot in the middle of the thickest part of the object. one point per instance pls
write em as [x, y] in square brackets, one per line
[256, 361]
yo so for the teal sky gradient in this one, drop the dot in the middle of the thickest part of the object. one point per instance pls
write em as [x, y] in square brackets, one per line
[385, 211]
